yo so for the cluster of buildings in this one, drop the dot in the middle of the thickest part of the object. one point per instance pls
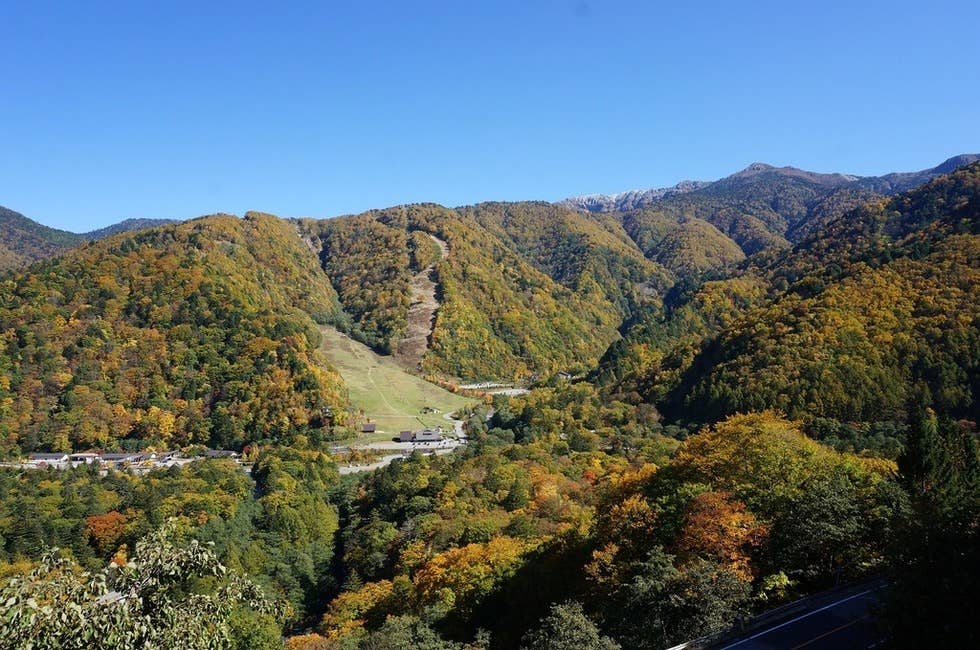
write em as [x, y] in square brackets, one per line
[133, 461]
[425, 435]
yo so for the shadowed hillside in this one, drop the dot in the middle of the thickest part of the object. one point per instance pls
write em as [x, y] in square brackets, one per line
[23, 241]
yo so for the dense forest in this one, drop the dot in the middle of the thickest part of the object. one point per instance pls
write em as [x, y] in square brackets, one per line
[740, 394]
[200, 333]
[275, 527]
[482, 548]
[845, 326]
[511, 306]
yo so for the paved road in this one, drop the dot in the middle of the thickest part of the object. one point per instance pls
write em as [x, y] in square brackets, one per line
[844, 624]
[381, 462]
[386, 460]
[409, 447]
[444, 446]
[457, 425]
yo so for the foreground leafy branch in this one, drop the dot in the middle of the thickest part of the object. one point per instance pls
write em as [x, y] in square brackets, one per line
[167, 596]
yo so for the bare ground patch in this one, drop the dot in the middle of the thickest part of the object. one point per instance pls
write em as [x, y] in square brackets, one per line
[409, 350]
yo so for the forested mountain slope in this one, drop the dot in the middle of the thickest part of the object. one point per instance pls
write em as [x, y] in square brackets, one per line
[767, 418]
[686, 246]
[127, 225]
[588, 253]
[492, 537]
[845, 326]
[762, 206]
[524, 289]
[23, 241]
[172, 330]
[194, 333]
[536, 288]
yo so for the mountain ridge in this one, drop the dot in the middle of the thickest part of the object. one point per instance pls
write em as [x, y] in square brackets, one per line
[24, 240]
[890, 183]
[630, 199]
[867, 309]
[127, 225]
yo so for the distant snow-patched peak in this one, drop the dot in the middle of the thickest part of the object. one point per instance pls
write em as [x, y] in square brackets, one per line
[759, 173]
[628, 200]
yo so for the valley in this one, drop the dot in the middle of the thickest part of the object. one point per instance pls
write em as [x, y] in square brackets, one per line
[489, 326]
[688, 410]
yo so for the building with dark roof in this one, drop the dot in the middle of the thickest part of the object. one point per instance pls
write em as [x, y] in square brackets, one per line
[425, 435]
[49, 460]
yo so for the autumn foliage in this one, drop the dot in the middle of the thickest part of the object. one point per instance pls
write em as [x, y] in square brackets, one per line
[720, 527]
[106, 530]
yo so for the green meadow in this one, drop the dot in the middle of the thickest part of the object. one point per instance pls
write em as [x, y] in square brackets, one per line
[383, 391]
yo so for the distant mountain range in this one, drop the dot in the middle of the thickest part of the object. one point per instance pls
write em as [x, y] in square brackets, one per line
[756, 208]
[630, 199]
[128, 225]
[24, 240]
[888, 184]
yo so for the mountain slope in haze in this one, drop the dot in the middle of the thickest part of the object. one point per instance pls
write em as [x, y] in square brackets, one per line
[23, 241]
[195, 333]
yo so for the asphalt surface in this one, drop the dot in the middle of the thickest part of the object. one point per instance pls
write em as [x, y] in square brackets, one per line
[845, 624]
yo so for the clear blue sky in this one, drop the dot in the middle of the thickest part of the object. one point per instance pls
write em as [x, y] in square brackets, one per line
[113, 110]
